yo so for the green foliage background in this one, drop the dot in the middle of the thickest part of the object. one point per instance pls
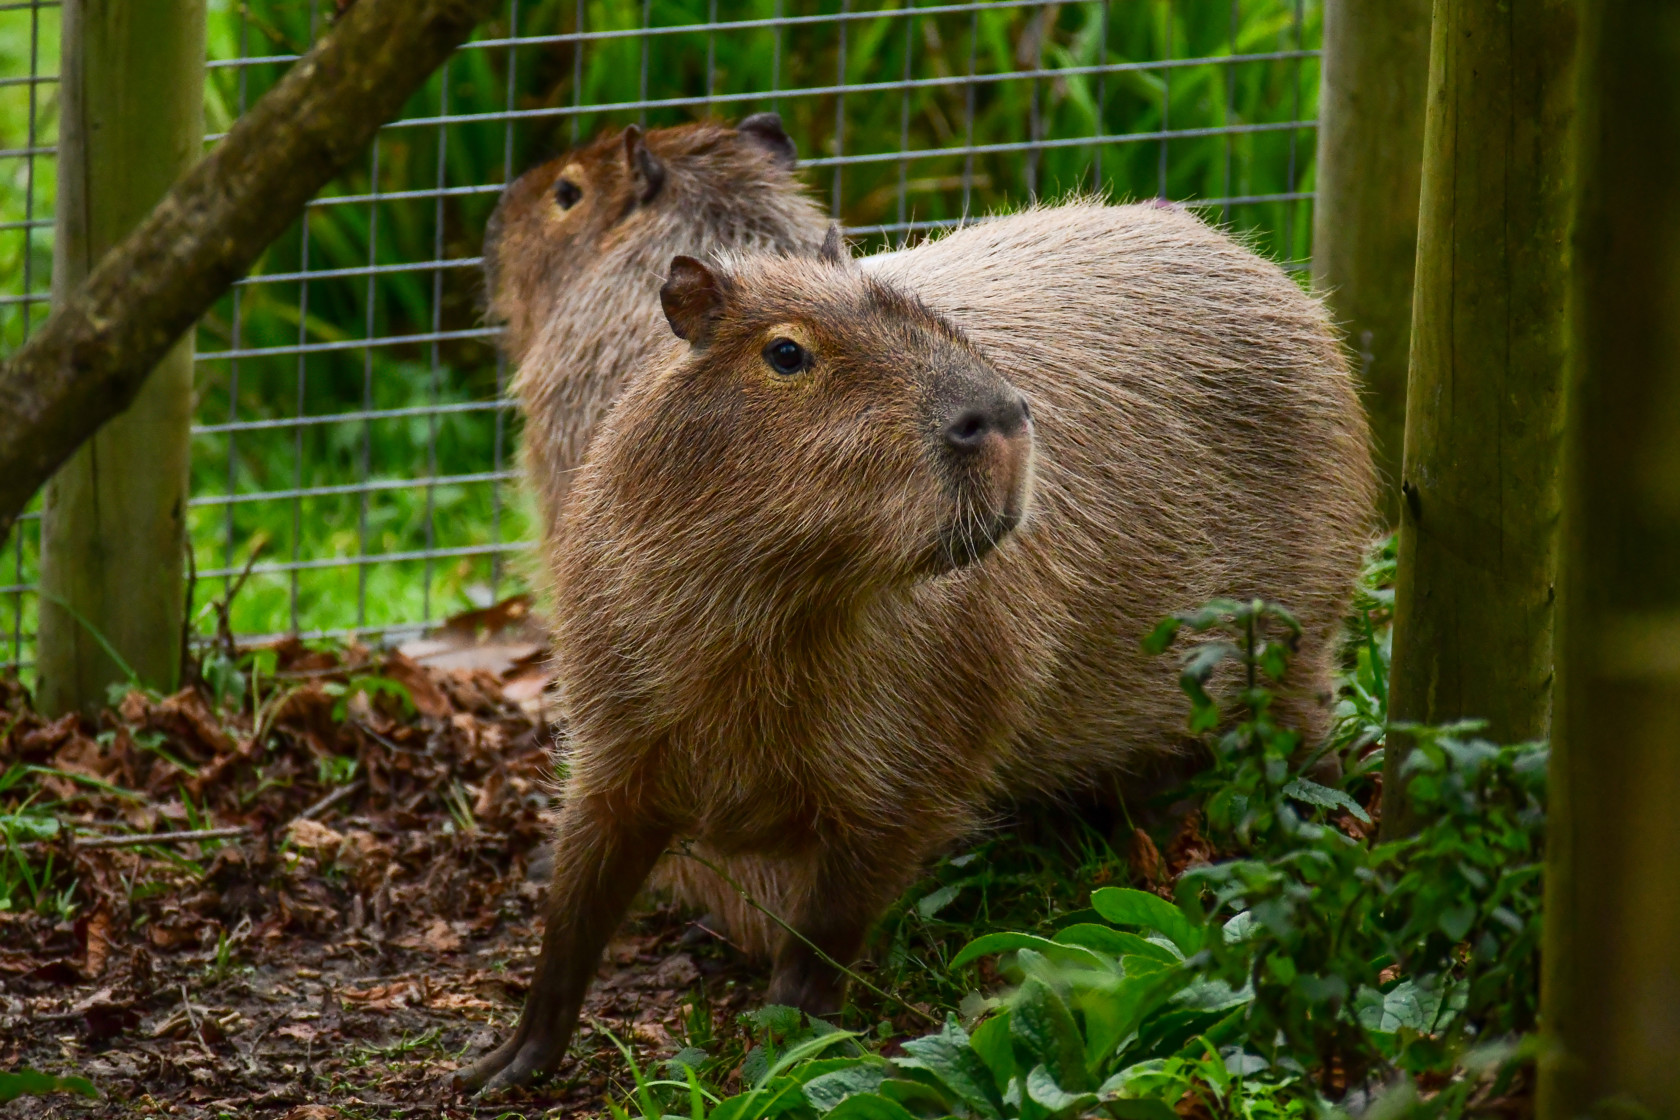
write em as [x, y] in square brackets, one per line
[540, 95]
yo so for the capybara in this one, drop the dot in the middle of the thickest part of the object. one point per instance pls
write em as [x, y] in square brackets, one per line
[881, 542]
[573, 257]
[578, 246]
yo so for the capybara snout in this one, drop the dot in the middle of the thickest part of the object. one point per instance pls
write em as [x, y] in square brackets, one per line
[984, 444]
[1002, 417]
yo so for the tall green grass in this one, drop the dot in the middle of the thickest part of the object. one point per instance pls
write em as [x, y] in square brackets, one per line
[741, 70]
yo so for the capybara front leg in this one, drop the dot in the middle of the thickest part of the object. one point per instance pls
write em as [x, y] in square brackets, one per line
[601, 856]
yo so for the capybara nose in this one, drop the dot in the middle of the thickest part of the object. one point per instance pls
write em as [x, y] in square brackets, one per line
[1005, 416]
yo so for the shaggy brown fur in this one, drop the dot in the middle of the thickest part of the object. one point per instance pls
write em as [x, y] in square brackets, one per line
[784, 628]
[574, 256]
[577, 248]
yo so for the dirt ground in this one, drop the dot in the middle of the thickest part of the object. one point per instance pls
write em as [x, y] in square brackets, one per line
[370, 926]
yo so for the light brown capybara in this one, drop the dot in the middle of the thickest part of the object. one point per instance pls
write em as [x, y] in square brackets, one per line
[578, 246]
[574, 256]
[882, 543]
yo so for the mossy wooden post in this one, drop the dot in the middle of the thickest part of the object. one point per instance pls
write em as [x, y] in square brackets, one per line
[1371, 98]
[1611, 990]
[113, 529]
[1479, 487]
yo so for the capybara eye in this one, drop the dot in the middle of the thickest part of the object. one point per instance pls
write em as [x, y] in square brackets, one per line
[567, 193]
[786, 356]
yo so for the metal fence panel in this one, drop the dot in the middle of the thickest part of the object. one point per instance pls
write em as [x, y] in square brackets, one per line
[352, 458]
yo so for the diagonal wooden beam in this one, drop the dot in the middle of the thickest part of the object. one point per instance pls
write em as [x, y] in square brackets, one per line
[93, 353]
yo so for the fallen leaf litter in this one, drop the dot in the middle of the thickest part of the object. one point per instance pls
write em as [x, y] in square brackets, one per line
[332, 936]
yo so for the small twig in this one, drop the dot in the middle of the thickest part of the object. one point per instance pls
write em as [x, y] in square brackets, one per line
[224, 605]
[192, 1017]
[383, 740]
[330, 800]
[186, 665]
[159, 838]
[710, 932]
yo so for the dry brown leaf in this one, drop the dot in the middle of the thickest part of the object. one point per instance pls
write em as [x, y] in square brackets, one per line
[428, 699]
[312, 1112]
[1145, 861]
[313, 836]
[98, 941]
[437, 937]
[186, 717]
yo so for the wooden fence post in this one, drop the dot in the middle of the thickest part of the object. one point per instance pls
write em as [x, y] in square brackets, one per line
[1370, 155]
[1611, 990]
[114, 517]
[1473, 611]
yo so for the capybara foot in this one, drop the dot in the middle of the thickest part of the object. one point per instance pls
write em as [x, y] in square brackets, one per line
[514, 1062]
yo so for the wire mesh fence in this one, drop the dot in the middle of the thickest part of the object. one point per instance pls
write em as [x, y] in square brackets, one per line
[352, 455]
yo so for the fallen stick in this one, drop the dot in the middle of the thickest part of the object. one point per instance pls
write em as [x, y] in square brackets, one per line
[328, 801]
[142, 839]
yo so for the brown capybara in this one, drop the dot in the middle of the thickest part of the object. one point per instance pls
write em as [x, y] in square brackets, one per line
[882, 543]
[573, 257]
[578, 246]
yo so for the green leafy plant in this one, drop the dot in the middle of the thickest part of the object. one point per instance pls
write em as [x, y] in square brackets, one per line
[23, 884]
[371, 687]
[1311, 964]
[26, 1082]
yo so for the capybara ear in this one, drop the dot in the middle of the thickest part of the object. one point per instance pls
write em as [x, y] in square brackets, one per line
[834, 248]
[766, 128]
[693, 297]
[646, 173]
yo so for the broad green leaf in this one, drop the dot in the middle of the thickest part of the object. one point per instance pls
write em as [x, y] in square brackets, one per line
[991, 1041]
[935, 901]
[1127, 907]
[1144, 966]
[689, 1057]
[807, 1049]
[1042, 1087]
[869, 1106]
[1126, 1108]
[1116, 1015]
[1151, 1083]
[817, 1067]
[1408, 1005]
[1223, 1033]
[1200, 662]
[738, 1107]
[775, 1019]
[1006, 942]
[1212, 995]
[778, 1095]
[1309, 792]
[1456, 922]
[951, 1059]
[918, 1094]
[1114, 942]
[1241, 928]
[827, 1091]
[1158, 639]
[1041, 1025]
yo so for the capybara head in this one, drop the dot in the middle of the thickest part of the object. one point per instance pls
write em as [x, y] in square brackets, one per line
[560, 217]
[838, 430]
